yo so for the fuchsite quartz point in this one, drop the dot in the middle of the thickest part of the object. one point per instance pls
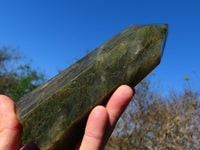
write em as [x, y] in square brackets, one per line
[54, 115]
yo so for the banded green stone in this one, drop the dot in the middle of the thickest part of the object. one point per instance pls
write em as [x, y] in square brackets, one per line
[54, 115]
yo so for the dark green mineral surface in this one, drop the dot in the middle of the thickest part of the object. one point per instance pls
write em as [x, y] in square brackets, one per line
[54, 115]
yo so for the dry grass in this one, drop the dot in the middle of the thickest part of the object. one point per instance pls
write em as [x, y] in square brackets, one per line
[155, 123]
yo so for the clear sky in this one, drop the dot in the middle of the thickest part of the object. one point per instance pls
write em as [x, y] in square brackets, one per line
[54, 33]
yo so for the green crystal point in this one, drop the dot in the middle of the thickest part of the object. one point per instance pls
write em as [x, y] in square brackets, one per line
[54, 115]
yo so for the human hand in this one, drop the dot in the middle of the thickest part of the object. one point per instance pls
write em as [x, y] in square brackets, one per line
[100, 124]
[10, 128]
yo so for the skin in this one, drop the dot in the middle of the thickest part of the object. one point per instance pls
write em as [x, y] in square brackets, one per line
[100, 124]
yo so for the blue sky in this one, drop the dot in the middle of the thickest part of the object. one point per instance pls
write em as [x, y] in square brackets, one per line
[54, 33]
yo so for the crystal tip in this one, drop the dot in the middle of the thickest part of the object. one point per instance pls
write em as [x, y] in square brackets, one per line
[165, 29]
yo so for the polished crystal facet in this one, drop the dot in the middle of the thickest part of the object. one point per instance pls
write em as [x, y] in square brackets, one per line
[54, 115]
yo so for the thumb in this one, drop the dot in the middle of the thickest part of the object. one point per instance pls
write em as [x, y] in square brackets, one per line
[10, 127]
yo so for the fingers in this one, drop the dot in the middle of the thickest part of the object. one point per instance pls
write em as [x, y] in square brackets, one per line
[95, 128]
[102, 120]
[116, 106]
[118, 103]
[10, 128]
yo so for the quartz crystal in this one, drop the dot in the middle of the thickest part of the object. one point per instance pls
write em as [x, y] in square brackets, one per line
[54, 115]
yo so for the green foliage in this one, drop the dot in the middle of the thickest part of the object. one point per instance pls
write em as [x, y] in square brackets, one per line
[15, 81]
[8, 57]
[25, 80]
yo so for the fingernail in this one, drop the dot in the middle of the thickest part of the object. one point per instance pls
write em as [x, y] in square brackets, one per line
[30, 146]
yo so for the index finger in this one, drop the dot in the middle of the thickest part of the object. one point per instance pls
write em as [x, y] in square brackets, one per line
[118, 103]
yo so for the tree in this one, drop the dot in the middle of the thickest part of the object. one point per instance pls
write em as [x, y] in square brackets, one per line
[152, 122]
[16, 81]
[7, 55]
[26, 79]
